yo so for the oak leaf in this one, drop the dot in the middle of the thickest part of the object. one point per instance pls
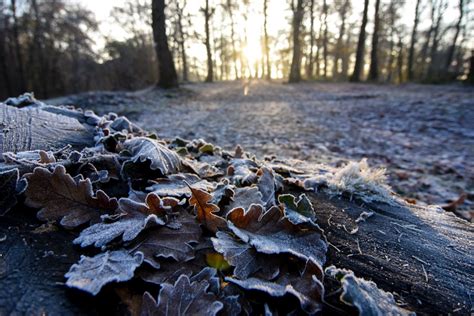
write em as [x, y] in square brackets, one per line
[271, 233]
[205, 210]
[299, 211]
[246, 260]
[10, 186]
[182, 298]
[92, 273]
[135, 218]
[304, 285]
[61, 197]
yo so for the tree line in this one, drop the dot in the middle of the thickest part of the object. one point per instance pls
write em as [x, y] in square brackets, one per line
[50, 46]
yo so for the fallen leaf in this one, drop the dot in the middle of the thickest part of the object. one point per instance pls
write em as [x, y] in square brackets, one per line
[298, 212]
[240, 171]
[60, 197]
[205, 210]
[144, 149]
[246, 260]
[176, 185]
[271, 233]
[266, 186]
[136, 217]
[92, 273]
[305, 286]
[244, 197]
[365, 295]
[164, 242]
[182, 298]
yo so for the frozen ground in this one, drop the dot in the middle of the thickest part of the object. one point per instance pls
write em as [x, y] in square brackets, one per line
[423, 135]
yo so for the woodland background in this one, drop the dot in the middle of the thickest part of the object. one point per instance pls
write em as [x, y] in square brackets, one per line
[55, 47]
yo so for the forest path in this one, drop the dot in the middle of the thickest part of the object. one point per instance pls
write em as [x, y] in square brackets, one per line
[422, 134]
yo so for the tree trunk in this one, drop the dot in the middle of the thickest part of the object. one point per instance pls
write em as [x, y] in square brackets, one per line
[268, 71]
[19, 57]
[339, 45]
[232, 37]
[182, 45]
[400, 60]
[433, 67]
[3, 60]
[359, 63]
[452, 48]
[207, 17]
[325, 39]
[470, 76]
[411, 53]
[374, 62]
[295, 72]
[167, 76]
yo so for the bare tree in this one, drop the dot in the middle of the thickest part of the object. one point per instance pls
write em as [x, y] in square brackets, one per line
[3, 54]
[440, 9]
[19, 56]
[182, 38]
[167, 77]
[295, 71]
[229, 8]
[325, 39]
[342, 9]
[359, 63]
[265, 41]
[450, 55]
[374, 58]
[411, 52]
[310, 67]
[208, 12]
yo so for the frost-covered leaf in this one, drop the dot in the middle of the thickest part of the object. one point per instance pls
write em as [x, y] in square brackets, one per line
[241, 171]
[60, 197]
[144, 149]
[298, 211]
[136, 217]
[244, 197]
[176, 185]
[271, 233]
[304, 285]
[10, 187]
[165, 242]
[211, 276]
[205, 210]
[266, 186]
[203, 169]
[244, 258]
[365, 295]
[182, 298]
[223, 194]
[92, 273]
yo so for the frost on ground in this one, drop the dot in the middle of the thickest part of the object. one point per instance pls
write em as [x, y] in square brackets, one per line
[423, 135]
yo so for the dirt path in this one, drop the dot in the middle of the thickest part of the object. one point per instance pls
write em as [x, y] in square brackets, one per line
[423, 135]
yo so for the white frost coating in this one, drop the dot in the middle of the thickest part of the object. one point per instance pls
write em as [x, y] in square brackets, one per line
[365, 295]
[358, 179]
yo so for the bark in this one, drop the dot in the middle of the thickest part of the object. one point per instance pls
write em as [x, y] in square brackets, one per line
[411, 53]
[452, 48]
[207, 17]
[268, 72]
[359, 63]
[295, 71]
[167, 76]
[374, 60]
